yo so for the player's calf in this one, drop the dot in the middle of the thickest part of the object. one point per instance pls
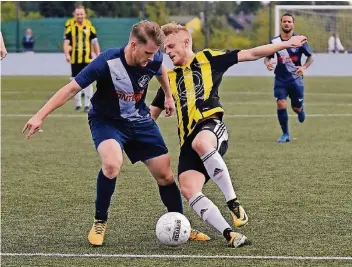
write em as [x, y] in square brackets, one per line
[301, 115]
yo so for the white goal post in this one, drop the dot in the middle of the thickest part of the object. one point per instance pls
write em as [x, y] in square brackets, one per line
[318, 23]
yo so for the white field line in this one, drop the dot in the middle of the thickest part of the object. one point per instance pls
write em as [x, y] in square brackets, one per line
[72, 255]
[226, 115]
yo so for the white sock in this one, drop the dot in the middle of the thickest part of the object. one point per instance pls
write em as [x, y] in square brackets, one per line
[77, 97]
[218, 172]
[88, 93]
[207, 210]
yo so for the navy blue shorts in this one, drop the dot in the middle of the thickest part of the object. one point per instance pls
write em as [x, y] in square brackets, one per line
[294, 90]
[140, 140]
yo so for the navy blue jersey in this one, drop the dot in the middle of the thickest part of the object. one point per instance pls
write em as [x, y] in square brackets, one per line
[121, 89]
[288, 60]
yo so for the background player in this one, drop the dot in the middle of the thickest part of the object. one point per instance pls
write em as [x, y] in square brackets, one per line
[203, 136]
[289, 76]
[120, 120]
[80, 41]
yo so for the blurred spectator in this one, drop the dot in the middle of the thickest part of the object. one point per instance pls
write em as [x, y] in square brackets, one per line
[28, 41]
[3, 51]
[334, 44]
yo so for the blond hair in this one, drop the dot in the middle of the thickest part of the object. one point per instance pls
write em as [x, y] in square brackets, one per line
[145, 30]
[173, 27]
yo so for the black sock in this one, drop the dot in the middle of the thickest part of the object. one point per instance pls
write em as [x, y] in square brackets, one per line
[231, 202]
[226, 233]
[171, 197]
[105, 189]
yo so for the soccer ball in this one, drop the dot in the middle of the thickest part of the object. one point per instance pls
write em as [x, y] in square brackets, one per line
[173, 229]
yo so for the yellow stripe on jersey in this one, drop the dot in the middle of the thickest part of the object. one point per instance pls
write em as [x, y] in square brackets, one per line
[87, 46]
[206, 73]
[74, 43]
[173, 87]
[80, 44]
[190, 96]
[215, 53]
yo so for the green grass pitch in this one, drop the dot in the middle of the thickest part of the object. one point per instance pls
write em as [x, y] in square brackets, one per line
[297, 195]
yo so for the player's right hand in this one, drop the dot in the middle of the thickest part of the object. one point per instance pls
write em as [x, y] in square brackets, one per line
[297, 41]
[270, 65]
[68, 58]
[33, 125]
[3, 53]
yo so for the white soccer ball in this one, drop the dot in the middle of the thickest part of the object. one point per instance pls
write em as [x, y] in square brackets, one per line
[173, 229]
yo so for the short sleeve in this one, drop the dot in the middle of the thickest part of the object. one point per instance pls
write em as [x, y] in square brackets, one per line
[307, 51]
[159, 99]
[68, 34]
[221, 60]
[93, 33]
[92, 72]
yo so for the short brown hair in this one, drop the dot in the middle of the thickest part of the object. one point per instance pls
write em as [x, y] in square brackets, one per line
[173, 27]
[80, 7]
[145, 30]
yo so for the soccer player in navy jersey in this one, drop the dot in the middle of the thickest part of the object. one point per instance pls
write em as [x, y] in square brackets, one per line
[120, 119]
[289, 75]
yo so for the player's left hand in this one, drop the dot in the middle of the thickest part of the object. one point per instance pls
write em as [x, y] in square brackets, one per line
[169, 106]
[300, 70]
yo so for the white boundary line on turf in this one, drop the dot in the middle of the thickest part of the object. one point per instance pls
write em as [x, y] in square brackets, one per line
[71, 255]
[226, 115]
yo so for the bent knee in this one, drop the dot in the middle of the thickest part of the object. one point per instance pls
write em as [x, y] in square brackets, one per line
[201, 146]
[165, 178]
[281, 104]
[111, 170]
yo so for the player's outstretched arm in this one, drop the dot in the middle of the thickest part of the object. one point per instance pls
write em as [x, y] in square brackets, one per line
[61, 97]
[165, 85]
[157, 106]
[267, 50]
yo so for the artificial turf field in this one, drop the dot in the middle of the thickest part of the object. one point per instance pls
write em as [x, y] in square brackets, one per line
[297, 195]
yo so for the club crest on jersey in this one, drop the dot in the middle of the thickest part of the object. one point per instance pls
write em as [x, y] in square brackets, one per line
[143, 81]
[294, 50]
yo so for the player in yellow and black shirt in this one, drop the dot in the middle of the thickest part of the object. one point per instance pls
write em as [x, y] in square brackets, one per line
[79, 45]
[194, 83]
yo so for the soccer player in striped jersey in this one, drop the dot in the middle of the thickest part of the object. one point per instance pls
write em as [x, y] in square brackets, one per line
[80, 41]
[194, 83]
[289, 75]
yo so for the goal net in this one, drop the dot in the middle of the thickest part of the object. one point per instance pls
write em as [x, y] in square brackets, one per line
[319, 23]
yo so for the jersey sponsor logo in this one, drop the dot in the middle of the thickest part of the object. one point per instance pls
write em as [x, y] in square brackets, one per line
[288, 59]
[143, 81]
[187, 95]
[128, 96]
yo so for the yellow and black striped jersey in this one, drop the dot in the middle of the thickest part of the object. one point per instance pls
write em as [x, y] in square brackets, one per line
[195, 88]
[80, 37]
[72, 21]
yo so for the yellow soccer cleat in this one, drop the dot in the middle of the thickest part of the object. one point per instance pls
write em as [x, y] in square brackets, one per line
[239, 215]
[96, 234]
[198, 236]
[237, 240]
